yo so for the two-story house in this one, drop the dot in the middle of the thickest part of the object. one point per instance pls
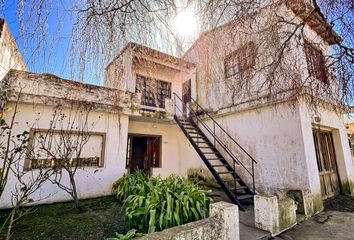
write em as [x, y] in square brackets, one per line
[211, 109]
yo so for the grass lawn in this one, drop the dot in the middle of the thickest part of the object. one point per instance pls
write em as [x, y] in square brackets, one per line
[101, 219]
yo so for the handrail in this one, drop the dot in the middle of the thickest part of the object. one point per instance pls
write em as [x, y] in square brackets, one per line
[215, 137]
[224, 130]
[234, 158]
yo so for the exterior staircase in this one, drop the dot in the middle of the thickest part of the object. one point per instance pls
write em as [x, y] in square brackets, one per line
[203, 132]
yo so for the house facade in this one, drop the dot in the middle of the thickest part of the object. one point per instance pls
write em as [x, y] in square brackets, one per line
[209, 110]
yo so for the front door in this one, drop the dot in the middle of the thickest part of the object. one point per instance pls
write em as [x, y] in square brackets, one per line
[326, 161]
[186, 95]
[138, 155]
[143, 153]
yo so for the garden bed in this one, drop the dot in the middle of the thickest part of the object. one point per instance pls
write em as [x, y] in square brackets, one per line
[102, 218]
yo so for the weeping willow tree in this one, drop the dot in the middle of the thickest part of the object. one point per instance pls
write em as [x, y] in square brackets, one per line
[95, 31]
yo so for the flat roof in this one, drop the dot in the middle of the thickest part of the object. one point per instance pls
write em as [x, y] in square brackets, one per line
[144, 50]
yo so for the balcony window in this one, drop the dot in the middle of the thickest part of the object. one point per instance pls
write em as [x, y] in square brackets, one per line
[153, 91]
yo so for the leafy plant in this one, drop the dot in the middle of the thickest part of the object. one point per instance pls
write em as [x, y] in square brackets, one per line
[153, 204]
[129, 235]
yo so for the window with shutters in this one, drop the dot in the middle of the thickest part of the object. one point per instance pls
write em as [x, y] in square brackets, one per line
[153, 91]
[241, 60]
[316, 63]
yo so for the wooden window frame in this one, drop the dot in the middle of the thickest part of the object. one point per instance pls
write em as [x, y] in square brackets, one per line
[316, 62]
[158, 91]
[238, 62]
[33, 131]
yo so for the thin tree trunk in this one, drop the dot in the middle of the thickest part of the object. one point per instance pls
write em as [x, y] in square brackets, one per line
[11, 221]
[74, 193]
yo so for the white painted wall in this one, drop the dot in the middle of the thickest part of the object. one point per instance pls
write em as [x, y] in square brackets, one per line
[91, 181]
[335, 123]
[215, 92]
[273, 137]
[10, 57]
[178, 155]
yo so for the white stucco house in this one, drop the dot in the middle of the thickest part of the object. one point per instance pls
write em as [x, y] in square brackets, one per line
[205, 110]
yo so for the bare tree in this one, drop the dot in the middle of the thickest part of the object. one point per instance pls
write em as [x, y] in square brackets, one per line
[13, 149]
[61, 147]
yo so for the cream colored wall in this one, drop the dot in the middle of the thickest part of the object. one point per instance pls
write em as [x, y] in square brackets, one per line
[178, 155]
[329, 120]
[273, 137]
[91, 181]
[215, 92]
[10, 57]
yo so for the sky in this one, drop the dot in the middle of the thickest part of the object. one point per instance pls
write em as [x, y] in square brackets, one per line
[54, 56]
[57, 40]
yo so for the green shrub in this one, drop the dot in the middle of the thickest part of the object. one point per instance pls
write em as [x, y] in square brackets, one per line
[153, 204]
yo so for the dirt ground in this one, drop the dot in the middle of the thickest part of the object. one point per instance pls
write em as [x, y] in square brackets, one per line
[340, 203]
[334, 223]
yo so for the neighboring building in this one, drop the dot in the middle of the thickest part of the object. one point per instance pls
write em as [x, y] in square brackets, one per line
[141, 118]
[10, 56]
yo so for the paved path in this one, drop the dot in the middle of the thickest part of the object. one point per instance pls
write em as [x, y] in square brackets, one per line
[331, 225]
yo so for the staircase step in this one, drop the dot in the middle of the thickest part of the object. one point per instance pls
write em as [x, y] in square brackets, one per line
[227, 172]
[221, 165]
[244, 196]
[241, 187]
[210, 147]
[231, 180]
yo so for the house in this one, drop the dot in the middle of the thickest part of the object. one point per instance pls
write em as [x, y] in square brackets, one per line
[206, 110]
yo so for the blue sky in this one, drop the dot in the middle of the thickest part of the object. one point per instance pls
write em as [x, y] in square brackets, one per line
[57, 60]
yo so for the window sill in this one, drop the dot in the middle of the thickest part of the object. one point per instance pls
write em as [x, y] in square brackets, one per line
[150, 108]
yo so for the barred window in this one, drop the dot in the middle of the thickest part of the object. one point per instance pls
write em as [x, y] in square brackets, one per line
[316, 63]
[49, 148]
[240, 60]
[154, 92]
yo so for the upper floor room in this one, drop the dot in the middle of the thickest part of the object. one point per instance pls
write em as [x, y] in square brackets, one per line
[276, 52]
[154, 75]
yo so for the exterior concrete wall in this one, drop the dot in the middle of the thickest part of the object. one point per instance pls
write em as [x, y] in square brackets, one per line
[91, 181]
[223, 224]
[273, 137]
[10, 56]
[215, 92]
[178, 155]
[334, 122]
[273, 214]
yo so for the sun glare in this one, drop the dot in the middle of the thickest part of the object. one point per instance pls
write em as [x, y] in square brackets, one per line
[185, 24]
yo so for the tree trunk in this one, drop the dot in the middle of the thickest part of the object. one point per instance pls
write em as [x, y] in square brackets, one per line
[11, 221]
[74, 193]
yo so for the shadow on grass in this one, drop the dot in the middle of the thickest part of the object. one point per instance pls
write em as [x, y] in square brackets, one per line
[102, 218]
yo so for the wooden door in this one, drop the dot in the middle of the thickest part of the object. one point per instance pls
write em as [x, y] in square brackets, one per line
[143, 153]
[186, 95]
[327, 164]
[138, 155]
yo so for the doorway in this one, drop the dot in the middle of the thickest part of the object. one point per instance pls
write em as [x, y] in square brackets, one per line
[186, 95]
[326, 162]
[143, 153]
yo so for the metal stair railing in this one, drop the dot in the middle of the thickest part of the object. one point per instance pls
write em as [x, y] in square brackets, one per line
[214, 138]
